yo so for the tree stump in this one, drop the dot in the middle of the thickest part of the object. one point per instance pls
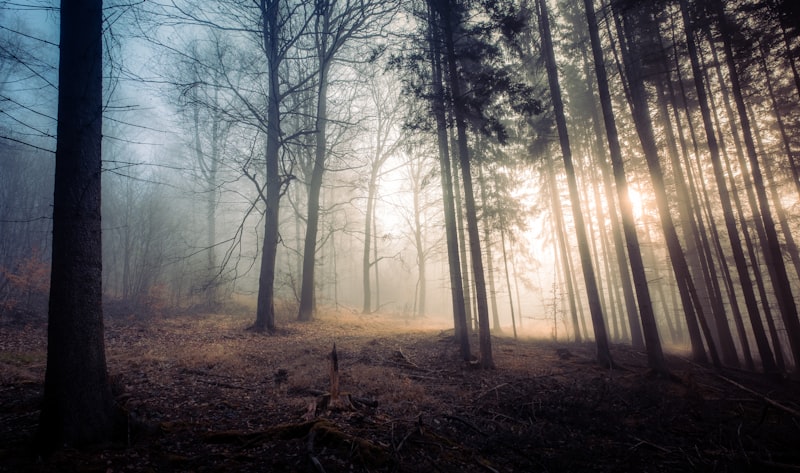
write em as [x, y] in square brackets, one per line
[333, 400]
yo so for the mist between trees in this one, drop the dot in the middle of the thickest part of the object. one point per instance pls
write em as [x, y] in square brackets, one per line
[621, 172]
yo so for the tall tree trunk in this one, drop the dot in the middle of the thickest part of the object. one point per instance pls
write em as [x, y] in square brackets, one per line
[487, 238]
[655, 357]
[508, 279]
[77, 408]
[598, 257]
[447, 178]
[366, 263]
[308, 288]
[709, 293]
[698, 200]
[612, 278]
[486, 356]
[516, 284]
[771, 245]
[756, 220]
[595, 308]
[419, 242]
[469, 307]
[376, 261]
[563, 248]
[644, 128]
[621, 278]
[265, 309]
[767, 359]
[791, 246]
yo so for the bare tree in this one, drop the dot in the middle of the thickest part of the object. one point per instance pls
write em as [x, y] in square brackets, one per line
[336, 24]
[385, 139]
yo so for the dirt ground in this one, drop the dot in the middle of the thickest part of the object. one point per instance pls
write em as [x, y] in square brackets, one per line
[220, 398]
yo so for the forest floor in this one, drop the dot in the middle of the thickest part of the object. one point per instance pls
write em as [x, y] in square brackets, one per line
[221, 398]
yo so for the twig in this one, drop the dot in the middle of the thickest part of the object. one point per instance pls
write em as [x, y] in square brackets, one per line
[485, 465]
[490, 390]
[220, 384]
[769, 401]
[403, 441]
[783, 466]
[317, 465]
[651, 444]
[467, 423]
[497, 414]
[401, 359]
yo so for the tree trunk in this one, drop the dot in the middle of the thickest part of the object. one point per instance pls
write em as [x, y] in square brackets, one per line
[508, 280]
[644, 128]
[561, 239]
[595, 308]
[422, 281]
[265, 309]
[446, 175]
[767, 358]
[77, 408]
[707, 289]
[307, 291]
[487, 238]
[485, 341]
[598, 258]
[469, 307]
[771, 245]
[791, 246]
[366, 264]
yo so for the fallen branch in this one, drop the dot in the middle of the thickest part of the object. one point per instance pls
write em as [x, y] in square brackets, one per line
[769, 401]
[648, 443]
[399, 358]
[490, 390]
[363, 401]
[319, 433]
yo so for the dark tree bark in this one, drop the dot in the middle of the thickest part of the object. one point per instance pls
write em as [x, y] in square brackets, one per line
[308, 289]
[271, 24]
[335, 24]
[640, 108]
[767, 358]
[595, 308]
[624, 274]
[770, 245]
[447, 178]
[791, 246]
[444, 9]
[78, 408]
[466, 282]
[706, 288]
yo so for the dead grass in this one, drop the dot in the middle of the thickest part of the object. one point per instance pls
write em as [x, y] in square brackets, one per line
[548, 406]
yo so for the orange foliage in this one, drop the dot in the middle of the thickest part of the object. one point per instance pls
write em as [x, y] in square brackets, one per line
[157, 299]
[28, 284]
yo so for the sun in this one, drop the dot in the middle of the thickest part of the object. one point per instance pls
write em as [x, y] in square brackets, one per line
[637, 202]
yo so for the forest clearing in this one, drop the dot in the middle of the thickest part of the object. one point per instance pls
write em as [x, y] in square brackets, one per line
[216, 397]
